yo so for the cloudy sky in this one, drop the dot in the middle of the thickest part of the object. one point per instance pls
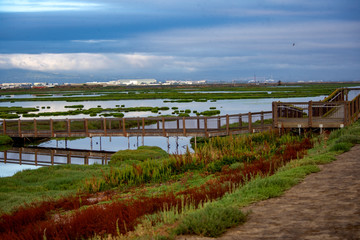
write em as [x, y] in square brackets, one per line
[290, 40]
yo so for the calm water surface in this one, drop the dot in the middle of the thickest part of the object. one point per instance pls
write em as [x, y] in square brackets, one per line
[171, 145]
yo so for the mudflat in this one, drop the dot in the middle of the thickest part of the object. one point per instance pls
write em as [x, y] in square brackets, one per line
[326, 205]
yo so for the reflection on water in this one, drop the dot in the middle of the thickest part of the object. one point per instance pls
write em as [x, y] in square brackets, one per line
[171, 144]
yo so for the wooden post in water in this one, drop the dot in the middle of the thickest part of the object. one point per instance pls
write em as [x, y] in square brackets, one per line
[184, 127]
[104, 123]
[20, 156]
[124, 128]
[4, 127]
[310, 114]
[86, 126]
[52, 157]
[250, 122]
[143, 126]
[19, 127]
[68, 127]
[36, 160]
[35, 128]
[227, 124]
[163, 126]
[52, 127]
[205, 126]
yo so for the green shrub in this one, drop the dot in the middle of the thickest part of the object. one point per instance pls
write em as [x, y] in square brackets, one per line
[140, 154]
[5, 140]
[354, 139]
[211, 221]
[341, 146]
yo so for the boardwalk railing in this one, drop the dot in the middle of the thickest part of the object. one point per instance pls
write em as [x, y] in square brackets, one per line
[51, 156]
[333, 112]
[150, 126]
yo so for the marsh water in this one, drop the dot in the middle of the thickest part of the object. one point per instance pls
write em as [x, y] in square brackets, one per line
[171, 144]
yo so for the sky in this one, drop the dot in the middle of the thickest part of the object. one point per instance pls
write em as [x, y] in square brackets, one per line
[215, 40]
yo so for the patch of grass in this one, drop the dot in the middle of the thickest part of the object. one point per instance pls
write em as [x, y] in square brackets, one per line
[341, 147]
[140, 154]
[211, 221]
[5, 140]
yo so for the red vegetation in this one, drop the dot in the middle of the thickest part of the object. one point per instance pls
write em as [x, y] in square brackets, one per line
[38, 220]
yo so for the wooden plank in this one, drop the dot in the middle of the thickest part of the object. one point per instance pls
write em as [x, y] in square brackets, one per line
[4, 127]
[250, 122]
[104, 123]
[68, 127]
[227, 125]
[310, 114]
[124, 127]
[52, 127]
[184, 126]
[143, 126]
[19, 127]
[86, 126]
[35, 128]
[163, 126]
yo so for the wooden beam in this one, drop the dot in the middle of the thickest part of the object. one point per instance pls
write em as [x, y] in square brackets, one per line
[86, 126]
[4, 127]
[52, 127]
[184, 126]
[124, 127]
[310, 114]
[104, 123]
[227, 125]
[250, 121]
[35, 128]
[19, 127]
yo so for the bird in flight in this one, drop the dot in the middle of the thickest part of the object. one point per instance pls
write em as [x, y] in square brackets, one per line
[293, 44]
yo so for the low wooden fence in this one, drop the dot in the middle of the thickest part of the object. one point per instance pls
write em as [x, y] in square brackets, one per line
[51, 156]
[330, 113]
[150, 126]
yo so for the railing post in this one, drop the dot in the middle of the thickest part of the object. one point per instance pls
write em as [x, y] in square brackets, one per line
[198, 122]
[36, 159]
[227, 124]
[20, 156]
[124, 127]
[275, 114]
[19, 127]
[143, 126]
[310, 114]
[250, 122]
[52, 127]
[104, 123]
[184, 126]
[163, 126]
[240, 121]
[262, 119]
[4, 127]
[52, 157]
[68, 127]
[35, 128]
[205, 126]
[219, 122]
[86, 126]
[177, 123]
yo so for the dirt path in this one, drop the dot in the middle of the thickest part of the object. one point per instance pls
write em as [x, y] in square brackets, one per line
[326, 205]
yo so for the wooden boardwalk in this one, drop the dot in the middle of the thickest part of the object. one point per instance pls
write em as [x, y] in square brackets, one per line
[150, 126]
[335, 111]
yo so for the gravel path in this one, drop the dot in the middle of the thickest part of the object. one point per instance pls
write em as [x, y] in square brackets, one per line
[326, 205]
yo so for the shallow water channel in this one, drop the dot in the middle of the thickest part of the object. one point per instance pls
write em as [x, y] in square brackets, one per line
[113, 144]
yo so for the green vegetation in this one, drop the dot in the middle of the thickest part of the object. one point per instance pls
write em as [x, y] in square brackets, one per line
[210, 112]
[140, 154]
[5, 140]
[134, 179]
[178, 94]
[75, 106]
